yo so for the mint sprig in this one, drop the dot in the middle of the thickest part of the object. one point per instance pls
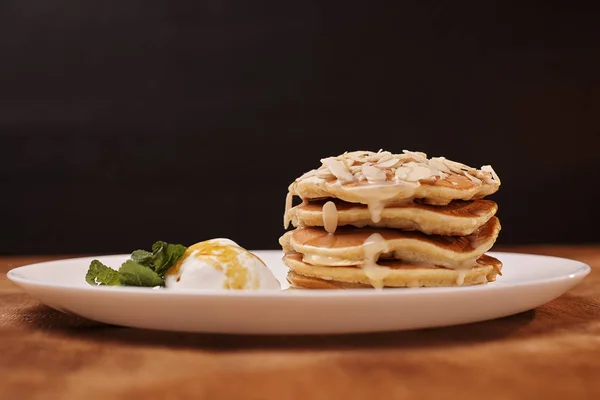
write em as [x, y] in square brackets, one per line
[134, 274]
[100, 274]
[163, 256]
[144, 268]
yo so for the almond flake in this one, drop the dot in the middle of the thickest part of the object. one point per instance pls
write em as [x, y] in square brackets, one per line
[438, 164]
[386, 159]
[373, 174]
[488, 168]
[472, 178]
[416, 155]
[457, 167]
[325, 174]
[339, 169]
[413, 172]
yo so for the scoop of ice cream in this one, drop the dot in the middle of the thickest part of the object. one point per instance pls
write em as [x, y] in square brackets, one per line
[220, 264]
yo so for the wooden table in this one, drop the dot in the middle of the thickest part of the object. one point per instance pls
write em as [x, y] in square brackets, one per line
[552, 352]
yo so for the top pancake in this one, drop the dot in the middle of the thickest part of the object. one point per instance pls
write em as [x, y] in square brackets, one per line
[459, 218]
[382, 179]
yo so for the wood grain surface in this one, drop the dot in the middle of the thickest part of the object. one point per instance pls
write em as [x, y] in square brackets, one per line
[552, 352]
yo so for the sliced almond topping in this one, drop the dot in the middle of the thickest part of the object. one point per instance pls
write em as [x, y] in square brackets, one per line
[413, 172]
[326, 174]
[359, 176]
[410, 166]
[457, 167]
[355, 168]
[338, 169]
[373, 174]
[402, 173]
[381, 156]
[359, 156]
[438, 163]
[472, 178]
[416, 155]
[420, 172]
[387, 163]
[488, 168]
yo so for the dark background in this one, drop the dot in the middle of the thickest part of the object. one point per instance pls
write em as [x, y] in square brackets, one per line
[124, 122]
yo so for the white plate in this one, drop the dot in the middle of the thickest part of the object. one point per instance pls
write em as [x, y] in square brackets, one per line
[528, 281]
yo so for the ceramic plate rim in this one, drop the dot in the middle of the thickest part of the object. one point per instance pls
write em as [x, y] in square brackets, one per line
[582, 270]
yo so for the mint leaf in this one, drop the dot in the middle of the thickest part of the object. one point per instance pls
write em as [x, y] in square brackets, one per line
[142, 257]
[159, 254]
[162, 257]
[100, 274]
[134, 274]
[165, 255]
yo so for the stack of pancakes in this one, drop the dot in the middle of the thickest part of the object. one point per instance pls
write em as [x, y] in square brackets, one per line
[391, 220]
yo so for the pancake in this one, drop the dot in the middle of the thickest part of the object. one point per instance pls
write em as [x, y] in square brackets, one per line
[399, 274]
[458, 218]
[348, 245]
[391, 220]
[381, 179]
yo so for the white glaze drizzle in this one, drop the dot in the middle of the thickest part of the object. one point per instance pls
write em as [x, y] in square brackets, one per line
[373, 247]
[288, 207]
[330, 217]
[460, 276]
